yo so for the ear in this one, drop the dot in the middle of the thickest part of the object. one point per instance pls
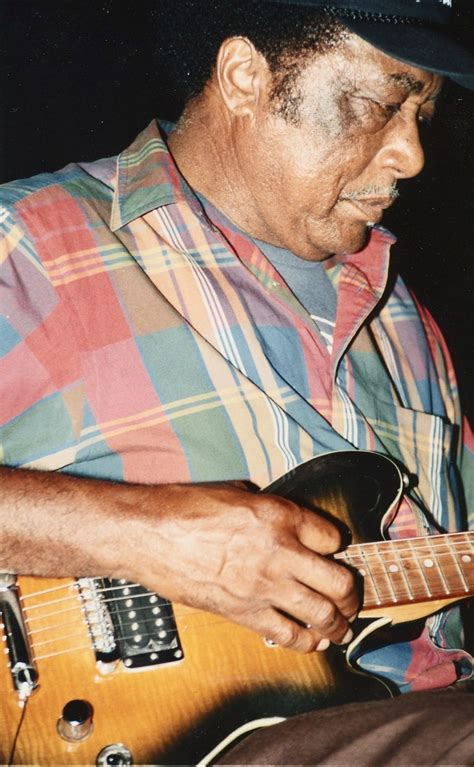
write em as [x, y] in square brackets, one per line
[241, 75]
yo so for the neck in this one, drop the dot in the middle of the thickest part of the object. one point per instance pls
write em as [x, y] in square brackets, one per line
[414, 569]
[199, 151]
[204, 147]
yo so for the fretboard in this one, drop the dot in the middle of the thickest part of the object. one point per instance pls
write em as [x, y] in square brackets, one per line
[413, 570]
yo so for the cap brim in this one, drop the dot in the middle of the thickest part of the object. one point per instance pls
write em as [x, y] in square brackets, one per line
[428, 48]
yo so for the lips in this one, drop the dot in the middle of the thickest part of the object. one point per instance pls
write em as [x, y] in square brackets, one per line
[369, 208]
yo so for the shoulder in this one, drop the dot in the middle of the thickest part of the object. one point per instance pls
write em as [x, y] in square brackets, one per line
[85, 184]
[51, 214]
[55, 216]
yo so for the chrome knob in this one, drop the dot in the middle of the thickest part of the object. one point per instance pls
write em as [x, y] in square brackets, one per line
[115, 754]
[76, 721]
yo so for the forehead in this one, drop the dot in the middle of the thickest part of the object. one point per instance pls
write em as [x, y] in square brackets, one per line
[357, 63]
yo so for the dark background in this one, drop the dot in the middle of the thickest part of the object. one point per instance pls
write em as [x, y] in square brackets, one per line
[80, 79]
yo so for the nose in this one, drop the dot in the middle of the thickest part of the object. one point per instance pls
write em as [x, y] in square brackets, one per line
[402, 151]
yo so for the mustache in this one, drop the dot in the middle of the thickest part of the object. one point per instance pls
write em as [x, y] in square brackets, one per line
[377, 192]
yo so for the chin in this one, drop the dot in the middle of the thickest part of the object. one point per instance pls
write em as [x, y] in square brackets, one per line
[353, 242]
[342, 240]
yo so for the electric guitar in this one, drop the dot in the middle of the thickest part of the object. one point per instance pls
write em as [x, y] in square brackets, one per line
[99, 671]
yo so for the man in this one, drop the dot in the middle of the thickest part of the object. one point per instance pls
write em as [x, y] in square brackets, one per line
[188, 317]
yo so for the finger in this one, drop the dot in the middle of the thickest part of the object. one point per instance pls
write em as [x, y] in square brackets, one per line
[318, 533]
[314, 611]
[279, 629]
[327, 578]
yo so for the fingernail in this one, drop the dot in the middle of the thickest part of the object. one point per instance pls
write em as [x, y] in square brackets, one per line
[323, 645]
[353, 618]
[347, 636]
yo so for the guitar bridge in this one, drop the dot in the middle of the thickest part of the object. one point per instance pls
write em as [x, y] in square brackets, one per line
[129, 623]
[22, 669]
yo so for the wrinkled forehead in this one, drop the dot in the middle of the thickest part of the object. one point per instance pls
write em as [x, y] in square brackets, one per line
[356, 61]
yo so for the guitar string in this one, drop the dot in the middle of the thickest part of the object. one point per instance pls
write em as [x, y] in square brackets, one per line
[90, 644]
[68, 585]
[380, 567]
[398, 553]
[370, 550]
[145, 635]
[145, 638]
[382, 599]
[385, 597]
[83, 612]
[385, 592]
[388, 597]
[77, 598]
[441, 545]
[377, 570]
[377, 555]
[381, 547]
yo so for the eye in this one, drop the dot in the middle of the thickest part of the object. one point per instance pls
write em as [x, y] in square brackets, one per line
[373, 113]
[383, 110]
[390, 109]
[387, 110]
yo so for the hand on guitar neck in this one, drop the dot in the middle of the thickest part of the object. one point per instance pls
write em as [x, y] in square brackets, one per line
[255, 559]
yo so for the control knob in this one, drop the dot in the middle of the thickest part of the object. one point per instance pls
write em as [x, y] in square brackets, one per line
[114, 755]
[75, 723]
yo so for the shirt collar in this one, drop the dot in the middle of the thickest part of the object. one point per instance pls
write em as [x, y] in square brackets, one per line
[146, 179]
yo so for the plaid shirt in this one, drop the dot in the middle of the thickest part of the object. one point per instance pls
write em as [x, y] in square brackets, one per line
[144, 342]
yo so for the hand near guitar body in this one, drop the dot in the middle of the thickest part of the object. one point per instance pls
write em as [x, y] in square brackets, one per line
[255, 559]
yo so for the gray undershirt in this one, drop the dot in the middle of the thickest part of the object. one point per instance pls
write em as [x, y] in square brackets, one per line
[309, 282]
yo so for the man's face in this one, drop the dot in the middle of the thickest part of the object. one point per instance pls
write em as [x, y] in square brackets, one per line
[315, 185]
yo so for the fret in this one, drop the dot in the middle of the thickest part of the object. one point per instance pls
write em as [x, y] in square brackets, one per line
[367, 570]
[432, 563]
[356, 557]
[388, 575]
[457, 566]
[414, 553]
[378, 566]
[399, 566]
[465, 549]
[381, 563]
[414, 569]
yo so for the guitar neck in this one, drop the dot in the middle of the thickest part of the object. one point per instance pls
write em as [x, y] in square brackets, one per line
[412, 570]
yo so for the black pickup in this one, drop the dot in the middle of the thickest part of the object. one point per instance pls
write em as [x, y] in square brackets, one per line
[143, 625]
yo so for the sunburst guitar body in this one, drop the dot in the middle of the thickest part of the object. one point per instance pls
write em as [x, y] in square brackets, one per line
[105, 672]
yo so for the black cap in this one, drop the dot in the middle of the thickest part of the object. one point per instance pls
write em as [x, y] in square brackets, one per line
[415, 31]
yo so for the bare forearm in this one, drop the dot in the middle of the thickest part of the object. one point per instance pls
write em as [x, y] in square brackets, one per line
[251, 557]
[56, 525]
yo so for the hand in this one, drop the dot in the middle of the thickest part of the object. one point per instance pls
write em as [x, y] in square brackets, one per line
[259, 560]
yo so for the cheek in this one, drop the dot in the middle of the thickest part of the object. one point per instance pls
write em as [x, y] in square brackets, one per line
[317, 183]
[309, 163]
[300, 171]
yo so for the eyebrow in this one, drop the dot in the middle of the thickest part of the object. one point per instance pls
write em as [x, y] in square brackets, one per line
[409, 83]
